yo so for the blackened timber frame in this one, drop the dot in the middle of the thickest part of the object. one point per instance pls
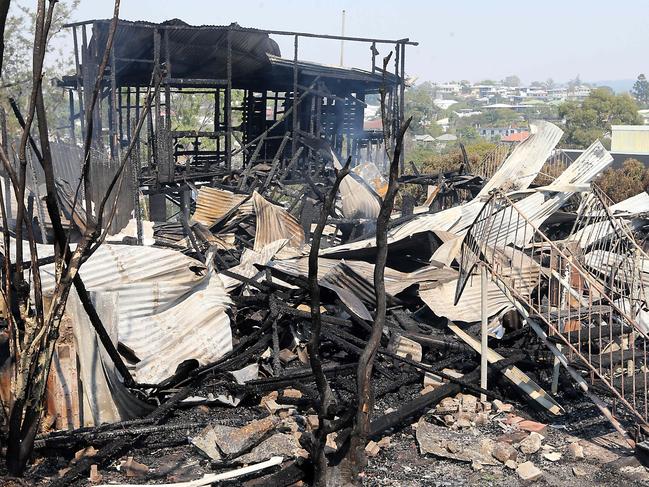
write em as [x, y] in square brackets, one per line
[282, 82]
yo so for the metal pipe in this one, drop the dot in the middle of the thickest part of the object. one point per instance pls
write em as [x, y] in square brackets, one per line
[484, 332]
[262, 31]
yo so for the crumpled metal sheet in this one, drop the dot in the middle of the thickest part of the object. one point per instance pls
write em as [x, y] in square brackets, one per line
[104, 398]
[440, 297]
[249, 258]
[516, 173]
[614, 265]
[526, 160]
[195, 327]
[539, 206]
[213, 203]
[352, 289]
[356, 198]
[355, 270]
[156, 291]
[634, 210]
[275, 223]
[515, 266]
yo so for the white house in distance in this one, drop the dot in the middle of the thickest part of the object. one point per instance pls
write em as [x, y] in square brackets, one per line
[445, 139]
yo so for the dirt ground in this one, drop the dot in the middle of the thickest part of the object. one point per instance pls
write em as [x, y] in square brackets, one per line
[607, 461]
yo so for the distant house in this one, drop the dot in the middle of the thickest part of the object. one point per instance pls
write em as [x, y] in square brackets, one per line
[448, 89]
[515, 137]
[443, 140]
[484, 91]
[578, 93]
[443, 123]
[466, 112]
[425, 139]
[492, 132]
[444, 104]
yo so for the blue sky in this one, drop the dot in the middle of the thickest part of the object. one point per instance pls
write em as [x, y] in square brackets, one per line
[459, 39]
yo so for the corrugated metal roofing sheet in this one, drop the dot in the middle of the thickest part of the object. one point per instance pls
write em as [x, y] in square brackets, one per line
[395, 281]
[249, 258]
[356, 197]
[275, 223]
[103, 396]
[213, 203]
[526, 160]
[634, 210]
[156, 291]
[440, 297]
[516, 173]
[539, 206]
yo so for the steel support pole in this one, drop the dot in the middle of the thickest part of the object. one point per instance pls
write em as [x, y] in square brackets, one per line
[484, 332]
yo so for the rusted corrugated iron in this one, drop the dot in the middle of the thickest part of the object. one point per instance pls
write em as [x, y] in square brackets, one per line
[213, 203]
[274, 223]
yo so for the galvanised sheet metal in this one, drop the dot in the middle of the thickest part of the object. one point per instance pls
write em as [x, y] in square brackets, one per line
[395, 281]
[634, 210]
[213, 203]
[249, 258]
[526, 160]
[103, 396]
[352, 289]
[275, 223]
[513, 265]
[357, 200]
[539, 206]
[165, 301]
[516, 173]
[440, 297]
[195, 327]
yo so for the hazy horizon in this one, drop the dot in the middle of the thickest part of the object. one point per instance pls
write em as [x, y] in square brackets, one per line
[467, 40]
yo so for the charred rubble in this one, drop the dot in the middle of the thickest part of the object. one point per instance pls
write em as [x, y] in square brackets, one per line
[226, 322]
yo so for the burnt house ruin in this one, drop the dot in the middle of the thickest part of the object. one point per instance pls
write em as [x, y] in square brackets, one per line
[262, 105]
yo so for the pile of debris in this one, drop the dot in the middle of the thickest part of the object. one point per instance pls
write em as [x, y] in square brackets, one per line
[212, 319]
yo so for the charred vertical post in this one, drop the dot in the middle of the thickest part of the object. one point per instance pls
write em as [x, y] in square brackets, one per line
[295, 88]
[313, 347]
[114, 137]
[78, 78]
[366, 361]
[71, 117]
[168, 75]
[402, 100]
[228, 103]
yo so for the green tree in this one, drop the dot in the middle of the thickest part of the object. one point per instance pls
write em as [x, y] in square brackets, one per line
[17, 63]
[501, 116]
[419, 104]
[468, 134]
[619, 184]
[512, 81]
[640, 90]
[550, 84]
[593, 118]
